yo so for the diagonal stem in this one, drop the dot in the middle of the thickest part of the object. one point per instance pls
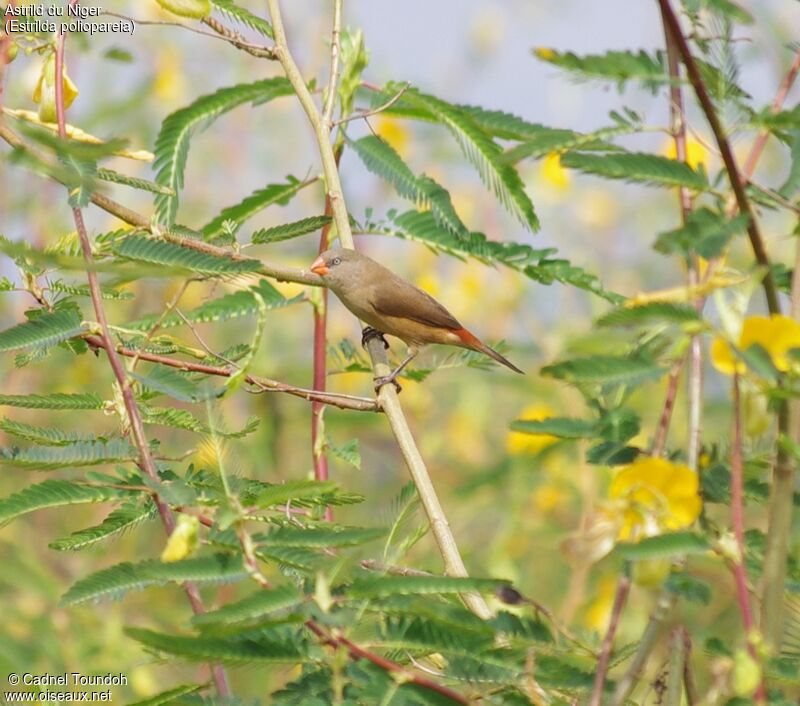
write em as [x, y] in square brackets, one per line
[387, 396]
[146, 462]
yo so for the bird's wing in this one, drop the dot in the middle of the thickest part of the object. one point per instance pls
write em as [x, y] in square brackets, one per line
[404, 300]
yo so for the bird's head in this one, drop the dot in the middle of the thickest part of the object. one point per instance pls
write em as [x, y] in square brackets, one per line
[335, 266]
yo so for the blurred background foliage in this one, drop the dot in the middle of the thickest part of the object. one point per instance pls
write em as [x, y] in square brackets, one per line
[512, 499]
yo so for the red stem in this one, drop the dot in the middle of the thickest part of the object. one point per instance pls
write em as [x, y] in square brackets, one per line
[320, 354]
[146, 462]
[737, 184]
[737, 520]
[780, 96]
[406, 676]
[623, 587]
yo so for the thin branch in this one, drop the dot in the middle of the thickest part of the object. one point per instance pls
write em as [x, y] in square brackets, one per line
[677, 662]
[145, 462]
[660, 438]
[387, 396]
[621, 595]
[222, 33]
[758, 146]
[689, 684]
[737, 184]
[335, 399]
[626, 684]
[374, 111]
[336, 50]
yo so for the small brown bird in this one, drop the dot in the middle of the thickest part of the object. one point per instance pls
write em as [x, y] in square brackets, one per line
[390, 305]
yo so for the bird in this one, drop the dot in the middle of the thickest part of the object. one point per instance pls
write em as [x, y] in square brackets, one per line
[390, 305]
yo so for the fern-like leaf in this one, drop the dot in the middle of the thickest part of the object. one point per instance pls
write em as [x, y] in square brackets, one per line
[54, 400]
[375, 586]
[82, 453]
[172, 143]
[290, 230]
[48, 436]
[166, 697]
[279, 194]
[619, 66]
[44, 331]
[638, 167]
[252, 608]
[485, 155]
[182, 419]
[381, 158]
[318, 537]
[52, 493]
[135, 183]
[118, 521]
[244, 16]
[117, 580]
[231, 306]
[538, 265]
[163, 252]
[235, 650]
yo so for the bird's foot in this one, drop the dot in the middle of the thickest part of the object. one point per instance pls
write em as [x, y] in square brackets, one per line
[369, 333]
[384, 379]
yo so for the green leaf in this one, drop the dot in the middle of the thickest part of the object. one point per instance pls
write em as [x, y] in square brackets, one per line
[725, 8]
[290, 230]
[705, 232]
[689, 587]
[562, 427]
[619, 66]
[790, 187]
[166, 697]
[54, 400]
[119, 520]
[537, 265]
[44, 435]
[78, 454]
[391, 585]
[499, 176]
[252, 608]
[163, 252]
[380, 158]
[194, 9]
[663, 545]
[231, 306]
[182, 419]
[135, 183]
[549, 140]
[208, 649]
[607, 370]
[117, 580]
[293, 491]
[83, 291]
[319, 537]
[243, 16]
[279, 194]
[653, 312]
[169, 382]
[172, 143]
[44, 331]
[348, 452]
[52, 493]
[637, 167]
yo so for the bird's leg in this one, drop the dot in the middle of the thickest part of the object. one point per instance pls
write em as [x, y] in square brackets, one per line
[369, 333]
[391, 377]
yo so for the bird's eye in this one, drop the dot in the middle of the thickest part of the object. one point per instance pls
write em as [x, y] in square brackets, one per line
[336, 261]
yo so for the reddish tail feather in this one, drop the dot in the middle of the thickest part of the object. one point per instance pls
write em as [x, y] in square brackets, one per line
[470, 340]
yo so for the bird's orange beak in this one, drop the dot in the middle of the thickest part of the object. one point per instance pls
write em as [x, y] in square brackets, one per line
[319, 267]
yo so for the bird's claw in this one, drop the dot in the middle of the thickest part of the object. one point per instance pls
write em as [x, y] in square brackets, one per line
[383, 379]
[369, 333]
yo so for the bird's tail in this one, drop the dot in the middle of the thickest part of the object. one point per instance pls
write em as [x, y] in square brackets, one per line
[470, 340]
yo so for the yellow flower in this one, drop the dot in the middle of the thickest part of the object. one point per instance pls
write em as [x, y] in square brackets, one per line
[394, 132]
[170, 82]
[44, 94]
[544, 53]
[696, 153]
[518, 443]
[553, 173]
[598, 611]
[548, 497]
[653, 495]
[776, 334]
